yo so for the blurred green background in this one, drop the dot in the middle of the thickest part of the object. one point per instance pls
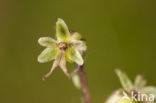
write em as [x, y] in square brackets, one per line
[119, 33]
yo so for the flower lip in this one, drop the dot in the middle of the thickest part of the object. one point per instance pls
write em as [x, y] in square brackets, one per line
[63, 46]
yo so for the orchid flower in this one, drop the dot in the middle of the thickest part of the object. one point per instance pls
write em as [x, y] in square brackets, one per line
[124, 95]
[68, 47]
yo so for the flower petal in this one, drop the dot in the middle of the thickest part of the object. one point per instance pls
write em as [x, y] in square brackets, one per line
[48, 54]
[47, 41]
[149, 90]
[63, 65]
[79, 45]
[55, 64]
[74, 56]
[76, 36]
[125, 81]
[140, 82]
[62, 31]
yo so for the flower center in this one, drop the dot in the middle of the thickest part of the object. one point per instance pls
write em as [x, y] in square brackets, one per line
[63, 46]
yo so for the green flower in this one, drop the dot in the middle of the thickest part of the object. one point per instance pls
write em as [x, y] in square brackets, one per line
[137, 88]
[139, 84]
[68, 46]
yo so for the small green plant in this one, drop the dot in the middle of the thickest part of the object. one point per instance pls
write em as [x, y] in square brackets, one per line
[133, 93]
[71, 47]
[68, 47]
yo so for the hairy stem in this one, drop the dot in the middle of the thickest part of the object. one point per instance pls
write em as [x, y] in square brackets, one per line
[84, 84]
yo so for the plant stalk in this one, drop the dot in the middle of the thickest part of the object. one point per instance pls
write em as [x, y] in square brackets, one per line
[84, 84]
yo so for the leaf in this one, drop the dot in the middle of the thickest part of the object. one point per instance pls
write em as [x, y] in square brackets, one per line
[47, 42]
[149, 90]
[62, 31]
[48, 54]
[74, 56]
[125, 81]
[140, 82]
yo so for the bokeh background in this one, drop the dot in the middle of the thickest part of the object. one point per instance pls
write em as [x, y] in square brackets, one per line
[119, 33]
